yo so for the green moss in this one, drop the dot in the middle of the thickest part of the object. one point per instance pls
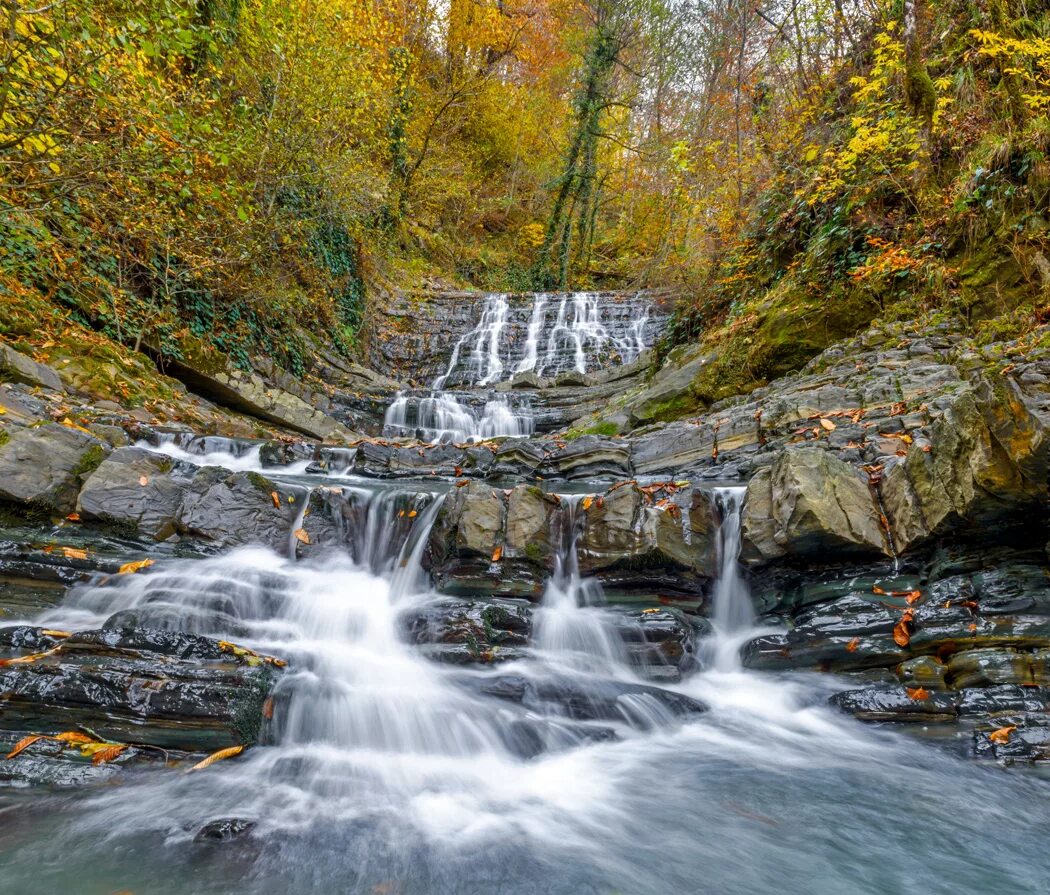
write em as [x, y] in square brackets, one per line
[534, 552]
[90, 460]
[261, 482]
[605, 427]
[5, 437]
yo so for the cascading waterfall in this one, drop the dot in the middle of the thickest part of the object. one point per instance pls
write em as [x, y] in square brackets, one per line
[733, 617]
[572, 625]
[581, 336]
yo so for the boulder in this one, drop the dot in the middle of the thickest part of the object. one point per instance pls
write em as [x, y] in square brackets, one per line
[464, 632]
[16, 367]
[42, 467]
[233, 508]
[810, 504]
[137, 490]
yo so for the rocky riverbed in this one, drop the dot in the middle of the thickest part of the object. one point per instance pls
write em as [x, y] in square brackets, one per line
[879, 519]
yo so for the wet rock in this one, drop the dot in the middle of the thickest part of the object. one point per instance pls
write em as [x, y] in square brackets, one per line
[229, 509]
[927, 672]
[889, 702]
[461, 632]
[662, 644]
[989, 667]
[137, 490]
[42, 468]
[16, 367]
[810, 503]
[592, 699]
[587, 457]
[224, 830]
[157, 688]
[518, 457]
[1014, 738]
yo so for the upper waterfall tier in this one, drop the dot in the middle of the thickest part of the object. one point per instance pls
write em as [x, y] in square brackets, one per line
[463, 340]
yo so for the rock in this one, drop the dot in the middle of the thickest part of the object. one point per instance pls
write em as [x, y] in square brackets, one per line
[592, 699]
[157, 688]
[41, 468]
[470, 631]
[589, 457]
[224, 830]
[810, 503]
[138, 491]
[662, 644]
[235, 508]
[1022, 737]
[891, 702]
[16, 367]
[927, 672]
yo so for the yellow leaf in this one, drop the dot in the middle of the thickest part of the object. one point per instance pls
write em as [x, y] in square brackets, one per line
[217, 756]
[24, 743]
[74, 553]
[412, 514]
[108, 753]
[302, 535]
[827, 424]
[49, 632]
[587, 501]
[130, 567]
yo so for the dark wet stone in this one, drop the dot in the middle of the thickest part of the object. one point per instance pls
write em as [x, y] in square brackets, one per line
[463, 632]
[225, 830]
[42, 468]
[1018, 738]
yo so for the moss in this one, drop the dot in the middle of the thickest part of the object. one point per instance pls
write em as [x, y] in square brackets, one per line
[261, 482]
[90, 460]
[534, 552]
[605, 427]
[5, 437]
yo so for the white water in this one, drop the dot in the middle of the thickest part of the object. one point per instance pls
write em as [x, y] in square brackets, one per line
[202, 452]
[733, 615]
[389, 776]
[441, 417]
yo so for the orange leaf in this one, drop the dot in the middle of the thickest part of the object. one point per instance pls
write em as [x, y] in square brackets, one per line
[460, 484]
[73, 517]
[111, 751]
[913, 597]
[302, 535]
[73, 738]
[587, 501]
[217, 756]
[74, 553]
[27, 660]
[412, 514]
[24, 743]
[1000, 737]
[497, 553]
[131, 567]
[827, 424]
[902, 631]
[851, 647]
[50, 632]
[275, 498]
[917, 692]
[459, 471]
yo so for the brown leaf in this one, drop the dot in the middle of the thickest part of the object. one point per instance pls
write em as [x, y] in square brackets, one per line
[302, 535]
[1000, 737]
[917, 693]
[108, 753]
[459, 471]
[24, 743]
[851, 647]
[74, 553]
[827, 424]
[497, 553]
[463, 482]
[217, 756]
[268, 708]
[131, 567]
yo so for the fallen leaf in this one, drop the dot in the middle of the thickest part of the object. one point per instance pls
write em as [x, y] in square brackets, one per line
[827, 424]
[51, 632]
[217, 756]
[268, 708]
[462, 483]
[851, 647]
[913, 597]
[143, 480]
[107, 753]
[917, 693]
[27, 660]
[497, 553]
[74, 738]
[902, 630]
[302, 535]
[24, 743]
[587, 501]
[73, 517]
[1000, 737]
[275, 498]
[74, 553]
[459, 471]
[132, 567]
[412, 514]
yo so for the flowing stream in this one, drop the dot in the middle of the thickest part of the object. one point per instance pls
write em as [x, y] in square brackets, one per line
[388, 774]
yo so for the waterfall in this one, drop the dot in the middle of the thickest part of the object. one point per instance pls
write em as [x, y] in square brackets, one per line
[733, 615]
[442, 417]
[532, 338]
[571, 625]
